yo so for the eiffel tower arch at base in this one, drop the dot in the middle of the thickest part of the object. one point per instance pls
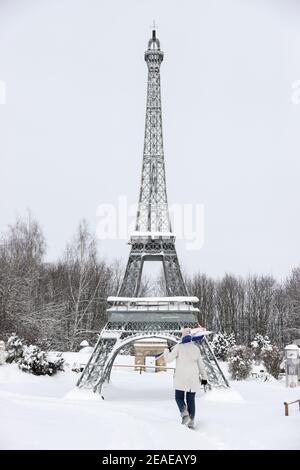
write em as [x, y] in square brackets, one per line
[132, 319]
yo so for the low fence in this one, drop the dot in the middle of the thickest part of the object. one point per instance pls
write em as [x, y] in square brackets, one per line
[286, 406]
[142, 368]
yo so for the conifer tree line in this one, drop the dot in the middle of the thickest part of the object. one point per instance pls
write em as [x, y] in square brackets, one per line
[56, 305]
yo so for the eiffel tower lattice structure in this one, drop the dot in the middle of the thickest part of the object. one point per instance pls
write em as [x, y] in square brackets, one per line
[131, 317]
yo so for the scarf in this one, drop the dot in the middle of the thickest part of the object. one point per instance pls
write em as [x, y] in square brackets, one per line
[189, 339]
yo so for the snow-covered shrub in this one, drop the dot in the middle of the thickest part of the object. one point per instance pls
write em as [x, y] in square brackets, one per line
[240, 362]
[55, 366]
[272, 358]
[222, 344]
[14, 348]
[76, 367]
[259, 345]
[3, 353]
[231, 340]
[34, 360]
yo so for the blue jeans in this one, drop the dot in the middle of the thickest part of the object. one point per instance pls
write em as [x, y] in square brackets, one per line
[190, 402]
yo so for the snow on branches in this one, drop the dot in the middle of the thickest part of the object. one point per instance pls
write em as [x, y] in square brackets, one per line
[272, 358]
[240, 362]
[241, 358]
[14, 348]
[31, 358]
[222, 344]
[259, 345]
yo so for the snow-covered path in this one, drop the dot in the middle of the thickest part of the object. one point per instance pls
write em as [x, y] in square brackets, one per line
[139, 413]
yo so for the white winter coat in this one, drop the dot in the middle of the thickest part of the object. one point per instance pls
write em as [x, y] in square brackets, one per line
[189, 365]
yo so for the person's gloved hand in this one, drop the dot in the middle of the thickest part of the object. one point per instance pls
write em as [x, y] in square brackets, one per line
[203, 382]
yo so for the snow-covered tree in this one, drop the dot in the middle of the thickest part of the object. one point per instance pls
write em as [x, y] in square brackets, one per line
[21, 255]
[204, 287]
[259, 345]
[86, 277]
[222, 344]
[14, 348]
[272, 358]
[240, 362]
[293, 290]
[230, 295]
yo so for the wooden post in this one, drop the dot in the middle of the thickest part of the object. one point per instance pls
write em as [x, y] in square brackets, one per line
[286, 408]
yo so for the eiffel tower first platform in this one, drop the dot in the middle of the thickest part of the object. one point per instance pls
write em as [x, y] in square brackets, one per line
[130, 316]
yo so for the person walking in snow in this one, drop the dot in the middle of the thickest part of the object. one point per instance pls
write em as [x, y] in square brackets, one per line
[189, 372]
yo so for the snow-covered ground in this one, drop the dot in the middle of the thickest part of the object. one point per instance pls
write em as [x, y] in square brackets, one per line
[139, 412]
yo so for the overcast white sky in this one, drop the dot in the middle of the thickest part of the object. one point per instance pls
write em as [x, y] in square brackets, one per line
[71, 131]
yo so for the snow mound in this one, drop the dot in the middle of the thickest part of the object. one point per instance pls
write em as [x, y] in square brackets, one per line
[86, 350]
[224, 395]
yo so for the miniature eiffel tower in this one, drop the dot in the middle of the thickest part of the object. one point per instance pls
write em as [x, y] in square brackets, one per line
[131, 317]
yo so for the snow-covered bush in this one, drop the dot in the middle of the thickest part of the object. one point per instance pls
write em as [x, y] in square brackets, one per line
[34, 360]
[14, 348]
[222, 344]
[259, 345]
[3, 353]
[272, 358]
[240, 362]
[55, 366]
